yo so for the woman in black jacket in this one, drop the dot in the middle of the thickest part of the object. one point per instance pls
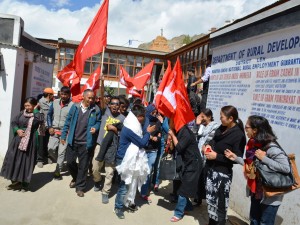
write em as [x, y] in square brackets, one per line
[187, 147]
[230, 135]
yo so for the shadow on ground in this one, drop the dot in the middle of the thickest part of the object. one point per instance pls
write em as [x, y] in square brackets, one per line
[39, 180]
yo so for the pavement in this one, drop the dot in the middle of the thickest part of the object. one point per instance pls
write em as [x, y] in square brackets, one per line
[53, 202]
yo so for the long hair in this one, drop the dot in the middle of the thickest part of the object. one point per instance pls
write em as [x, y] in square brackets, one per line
[207, 112]
[229, 111]
[265, 134]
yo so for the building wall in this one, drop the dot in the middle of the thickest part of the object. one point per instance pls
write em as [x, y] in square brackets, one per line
[259, 74]
[10, 92]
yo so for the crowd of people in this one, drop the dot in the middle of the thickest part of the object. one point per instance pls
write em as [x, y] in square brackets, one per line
[131, 139]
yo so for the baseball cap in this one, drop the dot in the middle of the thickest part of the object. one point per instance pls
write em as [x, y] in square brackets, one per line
[49, 90]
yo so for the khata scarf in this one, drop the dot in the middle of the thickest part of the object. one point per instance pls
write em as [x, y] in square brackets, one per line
[25, 140]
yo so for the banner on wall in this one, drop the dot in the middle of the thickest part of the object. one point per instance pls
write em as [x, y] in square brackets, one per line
[261, 76]
[40, 77]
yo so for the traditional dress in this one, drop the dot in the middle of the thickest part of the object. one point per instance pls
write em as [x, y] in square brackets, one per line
[20, 157]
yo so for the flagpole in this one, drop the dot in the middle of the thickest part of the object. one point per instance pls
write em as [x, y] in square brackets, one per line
[102, 79]
[119, 80]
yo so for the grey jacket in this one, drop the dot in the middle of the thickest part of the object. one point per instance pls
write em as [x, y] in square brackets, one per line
[44, 108]
[57, 115]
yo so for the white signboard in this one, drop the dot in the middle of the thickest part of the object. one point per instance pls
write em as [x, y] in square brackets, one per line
[261, 76]
[41, 77]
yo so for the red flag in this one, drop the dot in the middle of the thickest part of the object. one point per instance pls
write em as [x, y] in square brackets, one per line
[174, 98]
[94, 40]
[67, 74]
[125, 79]
[75, 90]
[141, 78]
[93, 82]
[133, 92]
[164, 98]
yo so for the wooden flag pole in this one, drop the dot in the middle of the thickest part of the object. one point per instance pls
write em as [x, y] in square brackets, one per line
[102, 79]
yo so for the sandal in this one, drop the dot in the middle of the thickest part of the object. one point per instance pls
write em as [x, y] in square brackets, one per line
[175, 219]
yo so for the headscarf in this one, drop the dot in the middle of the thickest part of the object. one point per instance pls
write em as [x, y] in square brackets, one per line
[150, 108]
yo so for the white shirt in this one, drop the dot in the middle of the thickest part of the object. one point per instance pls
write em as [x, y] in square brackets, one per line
[207, 74]
[83, 109]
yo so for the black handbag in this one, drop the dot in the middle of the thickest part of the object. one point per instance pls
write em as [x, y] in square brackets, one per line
[272, 178]
[167, 169]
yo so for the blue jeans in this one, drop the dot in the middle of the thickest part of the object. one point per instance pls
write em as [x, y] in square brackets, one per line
[261, 214]
[268, 214]
[160, 153]
[122, 190]
[183, 204]
[151, 160]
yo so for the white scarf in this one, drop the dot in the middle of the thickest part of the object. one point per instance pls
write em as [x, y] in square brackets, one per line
[134, 168]
[204, 132]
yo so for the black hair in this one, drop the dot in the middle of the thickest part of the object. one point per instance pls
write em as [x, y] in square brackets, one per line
[231, 111]
[31, 101]
[207, 112]
[265, 134]
[124, 100]
[137, 101]
[65, 90]
[138, 110]
[114, 97]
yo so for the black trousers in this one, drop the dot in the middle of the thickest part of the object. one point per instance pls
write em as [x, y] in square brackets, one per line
[78, 172]
[42, 151]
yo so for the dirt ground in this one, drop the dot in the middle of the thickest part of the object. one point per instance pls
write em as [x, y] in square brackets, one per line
[53, 202]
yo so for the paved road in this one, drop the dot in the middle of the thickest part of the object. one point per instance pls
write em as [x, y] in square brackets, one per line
[53, 202]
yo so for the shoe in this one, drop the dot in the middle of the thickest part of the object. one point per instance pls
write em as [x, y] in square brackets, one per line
[97, 186]
[155, 189]
[14, 186]
[132, 207]
[40, 165]
[72, 184]
[146, 198]
[105, 199]
[25, 187]
[175, 219]
[57, 176]
[80, 193]
[119, 213]
[50, 161]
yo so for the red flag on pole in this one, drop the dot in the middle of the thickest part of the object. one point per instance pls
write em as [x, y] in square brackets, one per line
[174, 101]
[93, 81]
[94, 40]
[141, 78]
[125, 79]
[75, 90]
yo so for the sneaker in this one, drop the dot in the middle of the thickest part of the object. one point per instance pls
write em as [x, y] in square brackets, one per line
[119, 213]
[105, 199]
[146, 198]
[57, 176]
[132, 207]
[97, 186]
[40, 165]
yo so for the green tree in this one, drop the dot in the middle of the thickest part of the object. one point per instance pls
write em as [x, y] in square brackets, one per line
[187, 39]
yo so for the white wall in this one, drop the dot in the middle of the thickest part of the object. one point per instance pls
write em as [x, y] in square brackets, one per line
[262, 83]
[10, 92]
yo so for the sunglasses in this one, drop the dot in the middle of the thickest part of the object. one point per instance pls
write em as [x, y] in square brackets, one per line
[114, 103]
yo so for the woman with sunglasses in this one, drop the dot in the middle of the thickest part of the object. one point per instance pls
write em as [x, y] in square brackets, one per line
[262, 146]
